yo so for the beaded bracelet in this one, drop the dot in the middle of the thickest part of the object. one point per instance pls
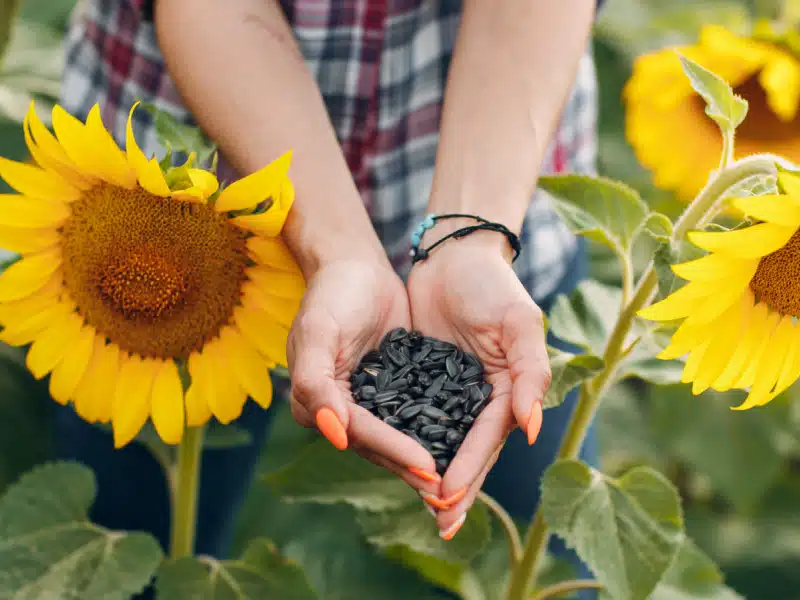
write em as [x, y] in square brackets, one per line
[418, 253]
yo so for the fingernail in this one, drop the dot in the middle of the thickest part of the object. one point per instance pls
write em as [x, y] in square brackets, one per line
[425, 475]
[449, 533]
[331, 427]
[440, 504]
[534, 423]
[430, 509]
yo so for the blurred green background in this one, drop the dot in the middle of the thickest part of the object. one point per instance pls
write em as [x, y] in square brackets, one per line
[739, 473]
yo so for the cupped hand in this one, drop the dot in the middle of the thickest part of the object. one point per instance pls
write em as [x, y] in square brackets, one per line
[348, 307]
[466, 292]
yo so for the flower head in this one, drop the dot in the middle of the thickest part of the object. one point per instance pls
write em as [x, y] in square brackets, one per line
[665, 118]
[128, 277]
[739, 310]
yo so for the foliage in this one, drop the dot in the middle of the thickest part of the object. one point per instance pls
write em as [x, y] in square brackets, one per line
[685, 484]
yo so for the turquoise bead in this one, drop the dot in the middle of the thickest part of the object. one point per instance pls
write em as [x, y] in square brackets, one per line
[428, 222]
[416, 238]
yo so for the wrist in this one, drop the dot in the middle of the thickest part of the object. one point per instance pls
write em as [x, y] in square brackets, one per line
[316, 244]
[482, 242]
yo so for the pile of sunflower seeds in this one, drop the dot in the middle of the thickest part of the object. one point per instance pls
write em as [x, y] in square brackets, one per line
[427, 388]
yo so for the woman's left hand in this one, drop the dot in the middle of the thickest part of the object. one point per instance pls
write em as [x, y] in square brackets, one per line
[466, 292]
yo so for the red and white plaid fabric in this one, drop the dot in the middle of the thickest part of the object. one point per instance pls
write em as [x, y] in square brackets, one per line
[381, 67]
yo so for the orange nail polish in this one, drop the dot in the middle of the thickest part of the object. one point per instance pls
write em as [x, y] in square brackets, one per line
[424, 475]
[331, 427]
[455, 498]
[449, 533]
[534, 423]
[433, 501]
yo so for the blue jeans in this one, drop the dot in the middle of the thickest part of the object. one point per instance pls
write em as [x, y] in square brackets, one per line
[132, 492]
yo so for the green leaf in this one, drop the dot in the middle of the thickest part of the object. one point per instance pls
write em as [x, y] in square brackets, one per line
[628, 530]
[666, 256]
[739, 453]
[176, 136]
[260, 574]
[658, 227]
[323, 475]
[726, 108]
[604, 210]
[641, 361]
[568, 370]
[412, 527]
[693, 576]
[49, 549]
[8, 16]
[587, 317]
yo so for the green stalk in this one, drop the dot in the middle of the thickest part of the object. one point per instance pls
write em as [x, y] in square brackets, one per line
[565, 587]
[9, 9]
[592, 391]
[184, 497]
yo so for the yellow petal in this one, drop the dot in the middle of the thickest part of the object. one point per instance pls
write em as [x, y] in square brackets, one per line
[753, 330]
[17, 310]
[778, 209]
[273, 252]
[255, 188]
[77, 142]
[770, 365]
[82, 396]
[110, 159]
[28, 275]
[149, 172]
[790, 184]
[52, 344]
[228, 398]
[780, 79]
[755, 241]
[21, 211]
[197, 409]
[22, 240]
[693, 363]
[790, 369]
[167, 403]
[95, 393]
[710, 267]
[730, 292]
[37, 183]
[677, 305]
[280, 309]
[748, 376]
[46, 150]
[263, 332]
[131, 405]
[68, 373]
[249, 368]
[25, 330]
[724, 334]
[269, 223]
[283, 284]
[204, 184]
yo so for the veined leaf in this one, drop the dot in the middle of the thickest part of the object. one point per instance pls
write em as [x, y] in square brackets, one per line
[726, 108]
[568, 370]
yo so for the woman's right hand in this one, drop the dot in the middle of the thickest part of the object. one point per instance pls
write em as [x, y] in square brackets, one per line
[348, 308]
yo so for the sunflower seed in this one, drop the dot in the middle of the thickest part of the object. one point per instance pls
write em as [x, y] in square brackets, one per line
[404, 405]
[440, 452]
[475, 393]
[452, 367]
[467, 420]
[486, 390]
[403, 372]
[397, 334]
[428, 430]
[457, 414]
[382, 397]
[358, 379]
[397, 357]
[477, 408]
[416, 391]
[438, 435]
[441, 465]
[470, 373]
[435, 387]
[424, 379]
[410, 412]
[440, 446]
[366, 392]
[421, 354]
[452, 386]
[368, 404]
[384, 412]
[443, 346]
[393, 421]
[383, 379]
[451, 403]
[434, 413]
[398, 384]
[453, 437]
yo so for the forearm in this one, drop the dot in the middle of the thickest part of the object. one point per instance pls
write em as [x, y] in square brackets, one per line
[513, 66]
[238, 69]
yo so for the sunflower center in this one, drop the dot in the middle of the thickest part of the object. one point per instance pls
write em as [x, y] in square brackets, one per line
[158, 277]
[762, 124]
[777, 279]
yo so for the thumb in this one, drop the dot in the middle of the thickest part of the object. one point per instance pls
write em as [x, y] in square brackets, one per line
[312, 351]
[529, 366]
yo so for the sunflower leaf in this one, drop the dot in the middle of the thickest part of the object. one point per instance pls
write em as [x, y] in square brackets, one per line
[178, 137]
[669, 254]
[606, 211]
[726, 108]
[568, 370]
[628, 530]
[693, 576]
[587, 316]
[49, 548]
[260, 573]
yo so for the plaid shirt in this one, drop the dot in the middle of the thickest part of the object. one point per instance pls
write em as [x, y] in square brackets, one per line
[381, 67]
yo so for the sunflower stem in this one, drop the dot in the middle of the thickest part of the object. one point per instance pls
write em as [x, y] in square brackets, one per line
[593, 390]
[565, 587]
[512, 533]
[184, 498]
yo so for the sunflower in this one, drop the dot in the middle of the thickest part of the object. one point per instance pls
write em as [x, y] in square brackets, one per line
[131, 278]
[740, 307]
[665, 118]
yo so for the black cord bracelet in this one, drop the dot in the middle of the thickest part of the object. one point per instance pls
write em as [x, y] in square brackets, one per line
[418, 253]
